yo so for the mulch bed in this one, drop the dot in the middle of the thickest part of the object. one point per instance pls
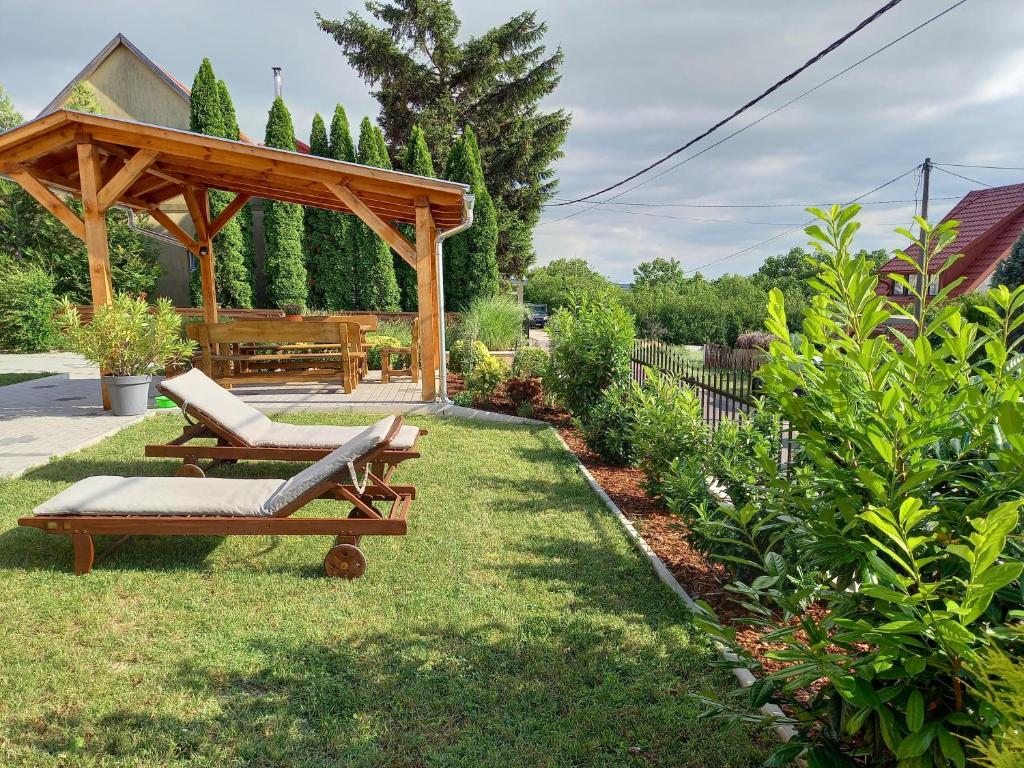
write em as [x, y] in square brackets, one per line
[666, 534]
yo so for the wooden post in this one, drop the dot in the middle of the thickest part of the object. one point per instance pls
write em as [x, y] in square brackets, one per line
[198, 203]
[426, 283]
[96, 244]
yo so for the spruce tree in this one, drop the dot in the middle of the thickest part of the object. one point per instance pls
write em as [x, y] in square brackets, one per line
[470, 261]
[416, 159]
[83, 99]
[317, 243]
[244, 216]
[340, 288]
[1010, 271]
[375, 285]
[207, 116]
[282, 224]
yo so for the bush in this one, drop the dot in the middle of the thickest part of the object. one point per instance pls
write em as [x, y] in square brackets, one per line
[497, 321]
[485, 378]
[905, 519]
[529, 362]
[524, 391]
[377, 342]
[27, 307]
[465, 355]
[607, 428]
[754, 340]
[591, 348]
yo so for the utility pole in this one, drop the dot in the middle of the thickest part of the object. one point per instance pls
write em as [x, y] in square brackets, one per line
[926, 173]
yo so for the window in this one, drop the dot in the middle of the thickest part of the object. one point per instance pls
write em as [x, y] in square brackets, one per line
[933, 285]
[898, 289]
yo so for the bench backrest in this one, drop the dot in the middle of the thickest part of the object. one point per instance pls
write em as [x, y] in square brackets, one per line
[271, 331]
[367, 321]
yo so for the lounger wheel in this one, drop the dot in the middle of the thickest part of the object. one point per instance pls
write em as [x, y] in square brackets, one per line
[189, 470]
[346, 561]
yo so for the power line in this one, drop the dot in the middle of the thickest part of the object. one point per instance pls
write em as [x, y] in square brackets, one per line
[768, 205]
[778, 109]
[763, 95]
[985, 167]
[779, 236]
[959, 176]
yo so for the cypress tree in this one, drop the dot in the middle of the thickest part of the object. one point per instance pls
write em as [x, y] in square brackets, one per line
[375, 285]
[282, 224]
[1010, 271]
[244, 216]
[317, 243]
[207, 116]
[416, 159]
[340, 287]
[83, 99]
[470, 261]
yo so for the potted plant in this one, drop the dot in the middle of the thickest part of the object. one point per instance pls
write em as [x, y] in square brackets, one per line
[129, 340]
[293, 312]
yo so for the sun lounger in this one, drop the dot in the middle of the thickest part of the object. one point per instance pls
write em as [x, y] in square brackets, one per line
[199, 506]
[243, 432]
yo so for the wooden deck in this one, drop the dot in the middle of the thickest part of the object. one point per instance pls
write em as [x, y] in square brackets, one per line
[401, 396]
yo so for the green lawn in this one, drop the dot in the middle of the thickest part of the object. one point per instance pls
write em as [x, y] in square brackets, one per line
[514, 626]
[17, 378]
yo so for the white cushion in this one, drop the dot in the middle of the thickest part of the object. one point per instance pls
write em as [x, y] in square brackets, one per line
[280, 435]
[111, 495]
[195, 388]
[359, 446]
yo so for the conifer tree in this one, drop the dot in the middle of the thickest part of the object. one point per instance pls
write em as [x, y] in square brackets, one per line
[1010, 271]
[207, 116]
[376, 288]
[317, 245]
[340, 289]
[282, 224]
[470, 261]
[83, 99]
[416, 159]
[244, 216]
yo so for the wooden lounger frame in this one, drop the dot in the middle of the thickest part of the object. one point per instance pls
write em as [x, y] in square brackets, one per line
[231, 447]
[344, 559]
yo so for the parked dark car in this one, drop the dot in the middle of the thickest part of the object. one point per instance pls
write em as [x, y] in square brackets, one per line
[538, 315]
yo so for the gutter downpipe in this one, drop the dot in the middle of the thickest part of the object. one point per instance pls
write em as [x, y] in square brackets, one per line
[442, 362]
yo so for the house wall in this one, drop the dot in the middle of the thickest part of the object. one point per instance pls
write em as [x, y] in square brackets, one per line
[126, 87]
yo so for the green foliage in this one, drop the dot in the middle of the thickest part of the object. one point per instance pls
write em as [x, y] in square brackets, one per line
[9, 116]
[206, 110]
[415, 159]
[244, 216]
[497, 321]
[495, 82]
[530, 362]
[903, 526]
[335, 286]
[83, 99]
[375, 285]
[465, 354]
[1001, 686]
[377, 342]
[660, 272]
[27, 305]
[318, 241]
[591, 347]
[1010, 271]
[608, 427]
[127, 337]
[282, 225]
[470, 261]
[487, 375]
[561, 282]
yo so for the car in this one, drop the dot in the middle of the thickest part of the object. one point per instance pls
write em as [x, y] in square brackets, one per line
[538, 315]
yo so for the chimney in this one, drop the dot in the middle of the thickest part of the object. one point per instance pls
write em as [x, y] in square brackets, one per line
[277, 81]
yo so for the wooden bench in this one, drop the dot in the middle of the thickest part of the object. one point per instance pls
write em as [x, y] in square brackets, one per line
[273, 351]
[412, 352]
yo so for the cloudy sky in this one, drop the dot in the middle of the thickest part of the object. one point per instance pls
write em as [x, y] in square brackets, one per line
[641, 78]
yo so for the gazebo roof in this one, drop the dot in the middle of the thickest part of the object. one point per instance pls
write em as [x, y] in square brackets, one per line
[175, 160]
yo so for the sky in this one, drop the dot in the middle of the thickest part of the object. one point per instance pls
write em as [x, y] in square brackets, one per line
[640, 79]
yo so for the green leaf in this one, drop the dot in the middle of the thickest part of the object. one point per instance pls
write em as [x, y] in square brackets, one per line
[915, 711]
[916, 744]
[915, 665]
[951, 748]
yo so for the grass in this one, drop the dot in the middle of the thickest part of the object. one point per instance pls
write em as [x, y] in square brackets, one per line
[514, 626]
[497, 321]
[17, 378]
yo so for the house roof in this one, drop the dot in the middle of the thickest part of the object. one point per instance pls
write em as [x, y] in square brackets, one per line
[172, 161]
[991, 220]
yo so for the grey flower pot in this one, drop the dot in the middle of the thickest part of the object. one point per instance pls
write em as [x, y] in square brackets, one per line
[129, 395]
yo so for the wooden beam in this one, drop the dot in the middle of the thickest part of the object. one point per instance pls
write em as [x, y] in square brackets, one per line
[387, 233]
[176, 232]
[228, 213]
[207, 273]
[124, 178]
[426, 243]
[198, 212]
[49, 201]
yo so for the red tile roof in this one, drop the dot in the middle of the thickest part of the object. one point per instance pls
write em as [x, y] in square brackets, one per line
[991, 220]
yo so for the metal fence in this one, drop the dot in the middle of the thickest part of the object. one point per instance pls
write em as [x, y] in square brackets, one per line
[724, 379]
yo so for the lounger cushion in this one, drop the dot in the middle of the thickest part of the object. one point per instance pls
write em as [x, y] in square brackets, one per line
[197, 389]
[111, 495]
[316, 436]
[356, 448]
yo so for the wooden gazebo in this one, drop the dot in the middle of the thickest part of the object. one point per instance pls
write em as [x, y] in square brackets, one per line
[111, 162]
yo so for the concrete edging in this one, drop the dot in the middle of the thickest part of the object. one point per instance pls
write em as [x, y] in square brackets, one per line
[744, 676]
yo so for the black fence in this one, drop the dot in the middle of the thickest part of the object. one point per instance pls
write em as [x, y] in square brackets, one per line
[724, 379]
